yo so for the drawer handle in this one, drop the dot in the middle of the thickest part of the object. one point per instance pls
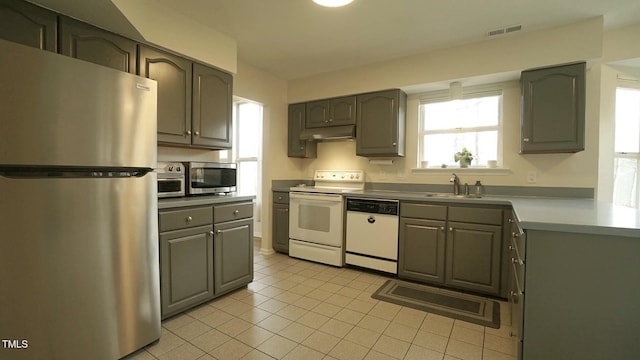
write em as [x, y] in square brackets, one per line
[236, 212]
[189, 218]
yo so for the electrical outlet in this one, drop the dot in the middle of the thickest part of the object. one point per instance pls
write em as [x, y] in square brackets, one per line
[532, 177]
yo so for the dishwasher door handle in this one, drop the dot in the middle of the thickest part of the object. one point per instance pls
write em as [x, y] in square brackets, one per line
[371, 219]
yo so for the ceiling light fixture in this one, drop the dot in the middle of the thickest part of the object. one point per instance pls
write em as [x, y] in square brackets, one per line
[333, 3]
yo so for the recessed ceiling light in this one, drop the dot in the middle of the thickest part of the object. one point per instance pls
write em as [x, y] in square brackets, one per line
[333, 3]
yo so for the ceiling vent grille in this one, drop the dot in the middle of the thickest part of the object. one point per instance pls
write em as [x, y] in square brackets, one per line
[504, 30]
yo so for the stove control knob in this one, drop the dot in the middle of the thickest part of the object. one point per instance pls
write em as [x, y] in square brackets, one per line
[170, 168]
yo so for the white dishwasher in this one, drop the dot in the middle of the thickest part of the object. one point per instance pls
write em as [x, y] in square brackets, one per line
[372, 234]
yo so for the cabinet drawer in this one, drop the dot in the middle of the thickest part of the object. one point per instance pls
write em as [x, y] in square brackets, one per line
[222, 213]
[185, 218]
[280, 197]
[423, 211]
[475, 215]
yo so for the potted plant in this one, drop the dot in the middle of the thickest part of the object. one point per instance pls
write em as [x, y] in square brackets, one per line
[464, 156]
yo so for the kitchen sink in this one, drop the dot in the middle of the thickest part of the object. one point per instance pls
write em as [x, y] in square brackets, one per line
[452, 196]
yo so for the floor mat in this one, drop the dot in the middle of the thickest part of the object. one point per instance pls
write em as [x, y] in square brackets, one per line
[452, 304]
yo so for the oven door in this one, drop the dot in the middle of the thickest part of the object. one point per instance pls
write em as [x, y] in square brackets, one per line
[316, 218]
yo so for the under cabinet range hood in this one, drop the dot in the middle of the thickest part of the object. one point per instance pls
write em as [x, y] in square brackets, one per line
[343, 132]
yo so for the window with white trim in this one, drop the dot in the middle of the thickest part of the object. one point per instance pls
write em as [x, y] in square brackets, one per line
[473, 122]
[247, 150]
[626, 159]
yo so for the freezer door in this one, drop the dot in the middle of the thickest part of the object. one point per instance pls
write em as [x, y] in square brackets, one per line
[79, 272]
[59, 111]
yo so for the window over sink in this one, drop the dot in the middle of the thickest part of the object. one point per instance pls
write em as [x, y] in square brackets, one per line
[473, 122]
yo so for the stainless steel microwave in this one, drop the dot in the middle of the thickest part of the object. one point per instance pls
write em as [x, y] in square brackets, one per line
[210, 178]
[171, 177]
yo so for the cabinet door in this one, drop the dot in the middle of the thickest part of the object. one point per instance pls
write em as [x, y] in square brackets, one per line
[342, 111]
[317, 114]
[233, 255]
[281, 228]
[553, 109]
[473, 257]
[212, 92]
[186, 268]
[28, 24]
[422, 250]
[380, 123]
[85, 42]
[295, 146]
[173, 75]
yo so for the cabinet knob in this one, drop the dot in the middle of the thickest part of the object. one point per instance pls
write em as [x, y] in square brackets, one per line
[510, 221]
[301, 147]
[514, 235]
[211, 232]
[330, 120]
[442, 228]
[525, 139]
[451, 229]
[189, 218]
[279, 197]
[286, 210]
[394, 144]
[218, 232]
[236, 212]
[511, 334]
[197, 133]
[188, 132]
[510, 247]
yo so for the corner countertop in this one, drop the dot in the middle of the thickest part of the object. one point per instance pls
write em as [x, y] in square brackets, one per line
[170, 203]
[575, 215]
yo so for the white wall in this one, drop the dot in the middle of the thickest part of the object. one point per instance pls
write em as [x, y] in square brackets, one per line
[254, 84]
[485, 62]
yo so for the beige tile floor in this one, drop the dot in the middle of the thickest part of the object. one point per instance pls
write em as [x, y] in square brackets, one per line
[296, 309]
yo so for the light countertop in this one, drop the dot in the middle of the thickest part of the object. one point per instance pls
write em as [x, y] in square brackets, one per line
[538, 213]
[170, 203]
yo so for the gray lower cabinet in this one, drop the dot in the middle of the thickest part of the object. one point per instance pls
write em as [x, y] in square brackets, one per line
[455, 246]
[186, 258]
[553, 109]
[85, 42]
[380, 123]
[474, 256]
[233, 255]
[205, 251]
[28, 24]
[295, 146]
[280, 225]
[422, 250]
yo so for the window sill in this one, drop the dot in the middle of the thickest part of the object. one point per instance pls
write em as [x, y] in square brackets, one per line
[459, 170]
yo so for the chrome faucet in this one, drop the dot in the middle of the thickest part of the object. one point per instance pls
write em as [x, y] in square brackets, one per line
[456, 184]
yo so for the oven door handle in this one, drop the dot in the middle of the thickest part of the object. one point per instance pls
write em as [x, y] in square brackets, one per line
[316, 197]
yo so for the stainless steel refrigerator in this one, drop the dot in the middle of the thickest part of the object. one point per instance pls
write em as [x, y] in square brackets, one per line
[79, 275]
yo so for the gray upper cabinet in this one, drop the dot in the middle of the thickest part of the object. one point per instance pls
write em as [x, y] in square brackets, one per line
[380, 123]
[331, 112]
[28, 24]
[212, 107]
[553, 109]
[295, 146]
[85, 42]
[173, 75]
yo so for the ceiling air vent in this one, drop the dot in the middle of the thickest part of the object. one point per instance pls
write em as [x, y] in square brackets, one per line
[504, 30]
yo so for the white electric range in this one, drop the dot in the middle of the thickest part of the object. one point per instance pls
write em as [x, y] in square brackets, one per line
[316, 215]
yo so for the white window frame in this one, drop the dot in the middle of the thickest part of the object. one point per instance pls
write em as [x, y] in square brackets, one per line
[627, 84]
[258, 159]
[496, 89]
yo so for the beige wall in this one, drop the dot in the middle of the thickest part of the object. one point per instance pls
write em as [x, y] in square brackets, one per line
[486, 62]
